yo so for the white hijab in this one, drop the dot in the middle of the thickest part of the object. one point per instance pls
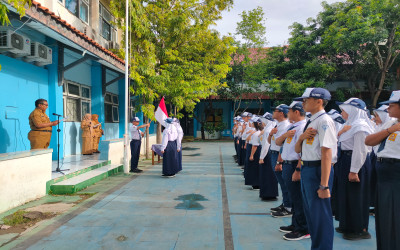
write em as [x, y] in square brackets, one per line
[358, 120]
[384, 116]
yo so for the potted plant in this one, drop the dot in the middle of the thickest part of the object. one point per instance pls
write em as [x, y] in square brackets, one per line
[214, 130]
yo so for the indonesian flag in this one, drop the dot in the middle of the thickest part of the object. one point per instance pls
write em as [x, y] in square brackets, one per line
[161, 112]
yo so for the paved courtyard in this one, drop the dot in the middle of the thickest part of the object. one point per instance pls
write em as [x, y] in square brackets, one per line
[206, 206]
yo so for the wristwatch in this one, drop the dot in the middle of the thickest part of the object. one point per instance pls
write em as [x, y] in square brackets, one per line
[323, 187]
[279, 163]
[298, 169]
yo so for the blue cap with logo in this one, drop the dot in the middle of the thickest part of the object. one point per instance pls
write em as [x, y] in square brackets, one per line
[244, 114]
[394, 98]
[268, 116]
[282, 108]
[383, 108]
[318, 93]
[296, 105]
[355, 102]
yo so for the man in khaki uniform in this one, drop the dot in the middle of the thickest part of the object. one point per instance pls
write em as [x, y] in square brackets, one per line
[40, 124]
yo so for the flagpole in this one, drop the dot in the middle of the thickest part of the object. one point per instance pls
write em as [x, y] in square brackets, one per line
[126, 137]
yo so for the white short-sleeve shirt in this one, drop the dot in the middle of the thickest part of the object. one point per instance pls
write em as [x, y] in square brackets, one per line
[392, 145]
[244, 134]
[135, 133]
[282, 128]
[326, 137]
[288, 152]
[255, 139]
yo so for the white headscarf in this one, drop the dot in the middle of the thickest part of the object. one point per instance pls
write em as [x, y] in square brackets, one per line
[358, 120]
[383, 115]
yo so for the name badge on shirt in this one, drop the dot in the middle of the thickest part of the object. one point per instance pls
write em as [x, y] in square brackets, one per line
[273, 138]
[392, 137]
[289, 140]
[310, 141]
[261, 138]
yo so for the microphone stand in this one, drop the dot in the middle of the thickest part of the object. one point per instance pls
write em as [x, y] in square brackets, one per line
[58, 147]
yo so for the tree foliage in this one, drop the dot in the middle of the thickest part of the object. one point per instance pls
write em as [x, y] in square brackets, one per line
[19, 5]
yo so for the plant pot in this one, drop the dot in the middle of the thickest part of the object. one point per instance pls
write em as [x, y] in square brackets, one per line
[215, 136]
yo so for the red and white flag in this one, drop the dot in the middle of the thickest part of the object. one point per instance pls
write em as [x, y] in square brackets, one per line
[161, 113]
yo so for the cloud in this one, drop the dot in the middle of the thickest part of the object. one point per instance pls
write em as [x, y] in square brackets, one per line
[280, 15]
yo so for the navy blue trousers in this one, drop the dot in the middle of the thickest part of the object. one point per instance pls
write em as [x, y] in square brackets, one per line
[294, 188]
[285, 195]
[242, 152]
[268, 182]
[170, 159]
[253, 171]
[387, 206]
[318, 211]
[246, 159]
[235, 145]
[135, 153]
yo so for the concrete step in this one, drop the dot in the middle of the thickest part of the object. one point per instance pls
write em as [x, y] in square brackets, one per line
[82, 181]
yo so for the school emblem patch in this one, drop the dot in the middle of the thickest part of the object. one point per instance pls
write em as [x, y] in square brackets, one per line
[289, 140]
[392, 137]
[325, 127]
[310, 141]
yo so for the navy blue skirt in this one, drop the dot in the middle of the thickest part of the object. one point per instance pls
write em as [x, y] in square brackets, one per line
[268, 183]
[252, 177]
[170, 159]
[246, 159]
[180, 160]
[352, 197]
[242, 152]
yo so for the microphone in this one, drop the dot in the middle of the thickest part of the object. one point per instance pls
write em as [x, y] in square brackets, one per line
[57, 114]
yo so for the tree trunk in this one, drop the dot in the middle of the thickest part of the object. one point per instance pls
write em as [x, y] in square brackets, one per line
[159, 133]
[203, 136]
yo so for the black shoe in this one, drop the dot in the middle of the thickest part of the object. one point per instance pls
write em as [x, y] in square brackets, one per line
[286, 229]
[269, 199]
[168, 176]
[295, 235]
[136, 170]
[356, 236]
[339, 230]
[281, 214]
[277, 209]
[255, 187]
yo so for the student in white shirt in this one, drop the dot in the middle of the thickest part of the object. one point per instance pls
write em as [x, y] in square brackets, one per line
[291, 168]
[253, 172]
[136, 141]
[387, 207]
[170, 149]
[317, 145]
[282, 125]
[268, 181]
[353, 171]
[179, 142]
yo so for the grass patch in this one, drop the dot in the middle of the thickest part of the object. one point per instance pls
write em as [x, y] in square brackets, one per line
[16, 218]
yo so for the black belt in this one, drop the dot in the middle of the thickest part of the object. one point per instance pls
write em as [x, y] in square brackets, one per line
[274, 152]
[42, 130]
[347, 152]
[290, 162]
[388, 160]
[136, 139]
[312, 163]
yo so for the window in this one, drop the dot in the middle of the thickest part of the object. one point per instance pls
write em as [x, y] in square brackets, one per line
[132, 110]
[214, 116]
[111, 110]
[77, 101]
[106, 29]
[79, 8]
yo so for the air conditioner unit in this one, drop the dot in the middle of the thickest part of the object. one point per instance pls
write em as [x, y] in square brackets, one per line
[40, 54]
[14, 43]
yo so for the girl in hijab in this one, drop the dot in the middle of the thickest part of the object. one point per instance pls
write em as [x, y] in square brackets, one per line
[98, 132]
[353, 171]
[268, 183]
[252, 176]
[87, 135]
[169, 149]
[179, 142]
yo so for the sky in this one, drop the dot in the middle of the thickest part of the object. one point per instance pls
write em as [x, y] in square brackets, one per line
[280, 15]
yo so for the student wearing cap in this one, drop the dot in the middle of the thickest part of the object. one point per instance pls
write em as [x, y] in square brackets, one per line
[268, 182]
[136, 141]
[235, 131]
[242, 138]
[291, 168]
[354, 167]
[337, 118]
[282, 125]
[387, 207]
[238, 135]
[248, 133]
[170, 149]
[179, 129]
[252, 176]
[318, 146]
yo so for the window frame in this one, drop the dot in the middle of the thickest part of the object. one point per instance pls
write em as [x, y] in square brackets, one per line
[113, 107]
[78, 12]
[113, 35]
[67, 95]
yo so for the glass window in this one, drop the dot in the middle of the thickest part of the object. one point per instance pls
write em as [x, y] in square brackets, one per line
[73, 89]
[115, 99]
[85, 92]
[73, 109]
[108, 112]
[107, 98]
[85, 108]
[105, 20]
[115, 114]
[106, 30]
[84, 11]
[72, 5]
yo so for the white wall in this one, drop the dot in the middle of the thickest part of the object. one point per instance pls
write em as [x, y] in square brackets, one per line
[23, 177]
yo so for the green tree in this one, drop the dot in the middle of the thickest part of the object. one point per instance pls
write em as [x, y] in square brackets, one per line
[19, 5]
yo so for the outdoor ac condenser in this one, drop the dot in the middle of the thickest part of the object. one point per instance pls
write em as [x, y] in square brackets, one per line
[40, 54]
[14, 43]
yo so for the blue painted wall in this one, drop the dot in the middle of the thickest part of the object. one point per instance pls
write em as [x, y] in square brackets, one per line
[20, 84]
